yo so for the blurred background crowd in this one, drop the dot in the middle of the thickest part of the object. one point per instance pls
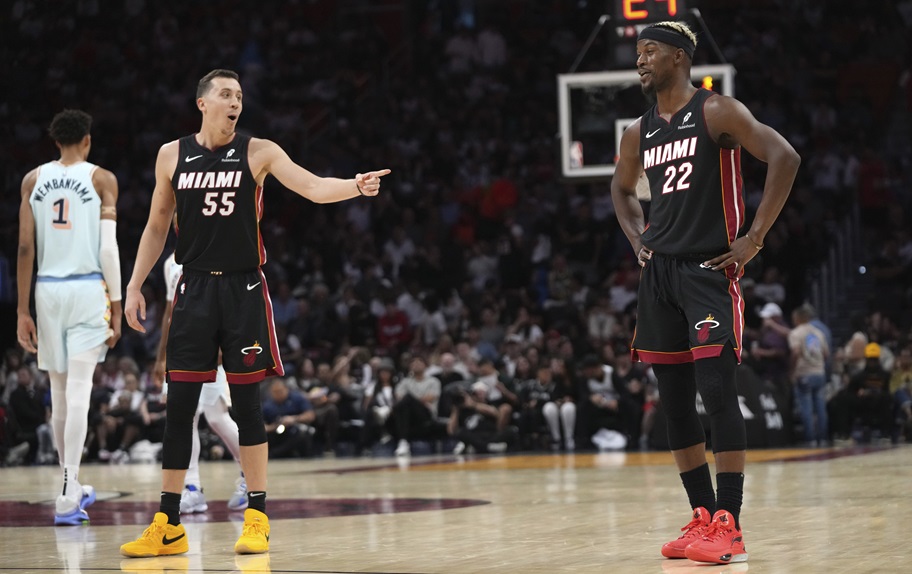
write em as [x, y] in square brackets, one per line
[481, 302]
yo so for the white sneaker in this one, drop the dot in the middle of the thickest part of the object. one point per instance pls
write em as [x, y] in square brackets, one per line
[104, 455]
[17, 454]
[70, 510]
[497, 447]
[404, 449]
[120, 456]
[459, 448]
[238, 500]
[570, 444]
[193, 500]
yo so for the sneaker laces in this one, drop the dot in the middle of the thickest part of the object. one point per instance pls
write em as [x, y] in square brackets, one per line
[716, 530]
[692, 526]
[154, 532]
[254, 528]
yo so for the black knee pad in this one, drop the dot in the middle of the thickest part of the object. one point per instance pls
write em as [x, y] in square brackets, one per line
[183, 398]
[678, 395]
[245, 403]
[716, 381]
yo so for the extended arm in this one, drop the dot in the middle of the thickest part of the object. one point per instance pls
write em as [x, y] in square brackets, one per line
[267, 157]
[154, 235]
[25, 325]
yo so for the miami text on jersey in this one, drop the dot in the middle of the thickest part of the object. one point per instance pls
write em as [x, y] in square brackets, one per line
[209, 179]
[669, 152]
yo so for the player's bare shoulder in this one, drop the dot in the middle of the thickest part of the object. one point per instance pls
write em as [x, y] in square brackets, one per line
[166, 162]
[104, 180]
[260, 155]
[29, 181]
[634, 128]
[716, 104]
[258, 148]
[723, 115]
[630, 140]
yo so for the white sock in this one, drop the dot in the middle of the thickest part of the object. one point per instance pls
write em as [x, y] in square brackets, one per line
[568, 417]
[58, 412]
[80, 369]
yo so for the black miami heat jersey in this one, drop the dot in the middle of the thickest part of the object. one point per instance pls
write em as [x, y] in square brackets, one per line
[695, 185]
[219, 207]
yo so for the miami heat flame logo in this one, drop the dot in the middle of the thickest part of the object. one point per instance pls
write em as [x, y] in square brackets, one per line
[704, 326]
[250, 353]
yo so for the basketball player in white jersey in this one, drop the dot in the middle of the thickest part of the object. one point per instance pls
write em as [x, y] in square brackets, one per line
[69, 211]
[214, 402]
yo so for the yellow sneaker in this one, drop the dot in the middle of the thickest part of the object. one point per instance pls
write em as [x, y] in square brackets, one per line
[255, 536]
[160, 539]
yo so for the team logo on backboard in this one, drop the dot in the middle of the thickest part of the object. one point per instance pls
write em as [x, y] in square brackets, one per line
[704, 326]
[251, 352]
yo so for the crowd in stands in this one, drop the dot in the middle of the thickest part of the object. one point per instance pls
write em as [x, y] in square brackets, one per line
[481, 303]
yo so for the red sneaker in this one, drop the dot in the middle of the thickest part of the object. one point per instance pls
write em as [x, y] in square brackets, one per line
[692, 532]
[721, 543]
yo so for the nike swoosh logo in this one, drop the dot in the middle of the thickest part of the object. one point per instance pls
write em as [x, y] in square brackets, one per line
[189, 159]
[250, 287]
[252, 494]
[166, 541]
[648, 135]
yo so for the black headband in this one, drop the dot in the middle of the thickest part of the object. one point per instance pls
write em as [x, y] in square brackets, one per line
[668, 37]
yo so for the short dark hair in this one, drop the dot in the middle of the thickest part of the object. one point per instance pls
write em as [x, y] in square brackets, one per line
[70, 126]
[206, 81]
[590, 361]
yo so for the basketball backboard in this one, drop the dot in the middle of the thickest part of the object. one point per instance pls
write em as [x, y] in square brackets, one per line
[596, 107]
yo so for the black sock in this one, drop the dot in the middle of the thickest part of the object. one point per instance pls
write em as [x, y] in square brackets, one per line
[256, 500]
[731, 492]
[699, 487]
[171, 505]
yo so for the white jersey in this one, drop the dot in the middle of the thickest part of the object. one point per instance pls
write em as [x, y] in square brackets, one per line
[67, 210]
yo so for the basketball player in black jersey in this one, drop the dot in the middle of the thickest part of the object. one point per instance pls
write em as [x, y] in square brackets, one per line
[693, 252]
[214, 179]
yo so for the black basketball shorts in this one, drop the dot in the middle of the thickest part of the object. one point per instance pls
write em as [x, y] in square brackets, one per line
[686, 312]
[231, 312]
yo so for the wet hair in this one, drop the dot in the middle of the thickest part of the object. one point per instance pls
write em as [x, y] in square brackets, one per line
[70, 126]
[206, 81]
[677, 34]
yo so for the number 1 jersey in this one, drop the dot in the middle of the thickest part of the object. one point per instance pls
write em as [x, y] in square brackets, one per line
[219, 207]
[67, 211]
[695, 185]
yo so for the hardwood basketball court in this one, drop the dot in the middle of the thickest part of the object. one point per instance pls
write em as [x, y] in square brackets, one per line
[805, 511]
